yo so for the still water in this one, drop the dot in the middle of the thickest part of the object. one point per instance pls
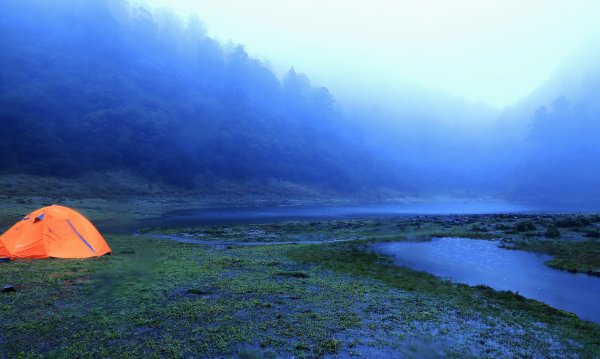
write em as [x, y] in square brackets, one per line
[269, 214]
[476, 262]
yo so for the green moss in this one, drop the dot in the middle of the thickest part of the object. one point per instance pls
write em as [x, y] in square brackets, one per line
[157, 298]
[525, 226]
[573, 256]
[552, 232]
[356, 260]
[293, 274]
[572, 222]
[464, 234]
[328, 346]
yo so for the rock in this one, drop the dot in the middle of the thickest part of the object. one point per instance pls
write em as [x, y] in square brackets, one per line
[8, 288]
[197, 291]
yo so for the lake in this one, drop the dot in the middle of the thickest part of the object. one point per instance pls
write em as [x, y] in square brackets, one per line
[475, 262]
[269, 214]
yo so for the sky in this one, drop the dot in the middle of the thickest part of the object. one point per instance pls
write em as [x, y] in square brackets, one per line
[491, 51]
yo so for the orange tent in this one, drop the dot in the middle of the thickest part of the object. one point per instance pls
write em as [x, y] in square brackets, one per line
[54, 231]
[3, 251]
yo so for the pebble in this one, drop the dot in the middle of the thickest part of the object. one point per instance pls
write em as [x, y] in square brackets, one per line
[8, 288]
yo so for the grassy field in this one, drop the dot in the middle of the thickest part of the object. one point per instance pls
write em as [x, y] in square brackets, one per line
[160, 298]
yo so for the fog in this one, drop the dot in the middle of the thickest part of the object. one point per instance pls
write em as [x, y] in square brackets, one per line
[495, 52]
[432, 99]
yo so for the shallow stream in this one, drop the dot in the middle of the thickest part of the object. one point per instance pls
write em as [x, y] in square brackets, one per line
[475, 262]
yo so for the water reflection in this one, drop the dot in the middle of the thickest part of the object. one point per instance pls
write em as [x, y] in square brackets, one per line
[476, 262]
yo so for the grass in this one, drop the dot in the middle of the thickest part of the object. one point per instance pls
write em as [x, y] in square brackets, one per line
[572, 239]
[167, 299]
[158, 298]
[576, 257]
[355, 260]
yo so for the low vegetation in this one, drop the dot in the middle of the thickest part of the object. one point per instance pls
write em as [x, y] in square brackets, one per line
[155, 297]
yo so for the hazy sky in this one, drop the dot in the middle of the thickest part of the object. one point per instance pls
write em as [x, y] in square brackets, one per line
[494, 51]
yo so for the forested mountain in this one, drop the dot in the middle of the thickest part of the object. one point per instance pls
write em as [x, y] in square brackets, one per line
[561, 156]
[98, 85]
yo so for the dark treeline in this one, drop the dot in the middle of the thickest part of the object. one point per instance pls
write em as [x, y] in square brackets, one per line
[98, 85]
[561, 159]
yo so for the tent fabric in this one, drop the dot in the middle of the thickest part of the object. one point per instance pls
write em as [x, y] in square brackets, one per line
[53, 231]
[3, 251]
